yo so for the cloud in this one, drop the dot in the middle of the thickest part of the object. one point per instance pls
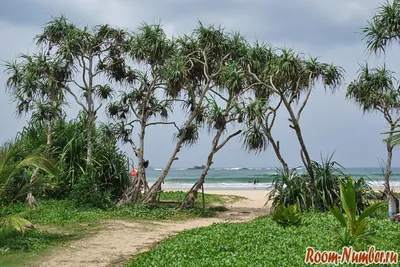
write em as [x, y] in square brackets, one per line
[329, 29]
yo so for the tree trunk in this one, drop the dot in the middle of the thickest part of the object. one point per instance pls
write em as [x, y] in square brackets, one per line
[141, 168]
[134, 193]
[192, 194]
[152, 193]
[388, 170]
[277, 150]
[91, 119]
[30, 198]
[299, 135]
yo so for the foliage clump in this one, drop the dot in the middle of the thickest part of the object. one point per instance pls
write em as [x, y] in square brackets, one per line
[295, 189]
[287, 216]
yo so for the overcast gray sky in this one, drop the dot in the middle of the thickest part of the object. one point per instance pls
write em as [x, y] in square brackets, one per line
[329, 29]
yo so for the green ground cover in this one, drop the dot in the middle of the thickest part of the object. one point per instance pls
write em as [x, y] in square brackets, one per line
[261, 242]
[59, 221]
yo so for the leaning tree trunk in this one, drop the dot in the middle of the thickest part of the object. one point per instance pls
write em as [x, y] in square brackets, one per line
[30, 198]
[388, 171]
[152, 193]
[134, 193]
[295, 125]
[191, 196]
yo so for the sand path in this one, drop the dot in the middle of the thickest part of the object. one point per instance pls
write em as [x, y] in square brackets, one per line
[119, 240]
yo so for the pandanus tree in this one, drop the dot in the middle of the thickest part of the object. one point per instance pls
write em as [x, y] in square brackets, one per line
[92, 54]
[290, 77]
[259, 115]
[376, 90]
[141, 106]
[383, 30]
[217, 117]
[193, 72]
[38, 86]
[222, 107]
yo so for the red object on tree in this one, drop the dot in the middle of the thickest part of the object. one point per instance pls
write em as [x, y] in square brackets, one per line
[133, 172]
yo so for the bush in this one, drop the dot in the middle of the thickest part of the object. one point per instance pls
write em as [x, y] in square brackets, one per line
[293, 188]
[287, 216]
[69, 147]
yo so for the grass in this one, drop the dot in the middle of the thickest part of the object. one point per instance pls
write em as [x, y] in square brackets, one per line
[261, 242]
[63, 212]
[17, 250]
[60, 221]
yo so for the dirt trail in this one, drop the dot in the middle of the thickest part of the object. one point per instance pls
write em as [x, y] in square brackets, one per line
[120, 240]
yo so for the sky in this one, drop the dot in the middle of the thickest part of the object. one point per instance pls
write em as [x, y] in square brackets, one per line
[328, 29]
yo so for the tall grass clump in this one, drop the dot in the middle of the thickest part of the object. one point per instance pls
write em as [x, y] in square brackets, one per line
[294, 188]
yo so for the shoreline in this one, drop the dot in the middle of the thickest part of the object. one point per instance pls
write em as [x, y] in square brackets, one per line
[255, 198]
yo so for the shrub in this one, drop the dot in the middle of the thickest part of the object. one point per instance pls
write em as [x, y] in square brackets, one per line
[69, 147]
[353, 228]
[293, 188]
[287, 216]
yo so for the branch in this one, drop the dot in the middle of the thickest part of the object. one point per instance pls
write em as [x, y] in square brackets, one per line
[218, 94]
[84, 73]
[95, 111]
[133, 110]
[245, 90]
[77, 99]
[297, 89]
[132, 122]
[387, 116]
[221, 64]
[106, 68]
[304, 104]
[133, 146]
[164, 123]
[276, 108]
[397, 121]
[77, 84]
[171, 100]
[226, 140]
[205, 67]
[273, 87]
[253, 75]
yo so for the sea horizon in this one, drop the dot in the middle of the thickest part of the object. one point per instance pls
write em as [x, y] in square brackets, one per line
[242, 178]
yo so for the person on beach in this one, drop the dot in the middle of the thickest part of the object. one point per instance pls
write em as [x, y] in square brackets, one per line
[249, 181]
[258, 180]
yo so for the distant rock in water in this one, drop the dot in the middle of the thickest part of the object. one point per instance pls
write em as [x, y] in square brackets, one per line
[197, 167]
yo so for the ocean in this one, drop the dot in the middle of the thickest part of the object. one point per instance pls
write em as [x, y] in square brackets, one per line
[238, 178]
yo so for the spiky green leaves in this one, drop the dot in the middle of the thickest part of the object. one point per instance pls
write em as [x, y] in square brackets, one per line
[38, 84]
[151, 45]
[189, 134]
[254, 139]
[383, 28]
[353, 228]
[375, 90]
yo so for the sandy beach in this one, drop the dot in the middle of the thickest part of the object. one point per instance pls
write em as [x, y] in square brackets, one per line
[255, 198]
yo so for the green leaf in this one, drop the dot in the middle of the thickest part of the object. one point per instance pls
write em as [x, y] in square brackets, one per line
[371, 209]
[339, 216]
